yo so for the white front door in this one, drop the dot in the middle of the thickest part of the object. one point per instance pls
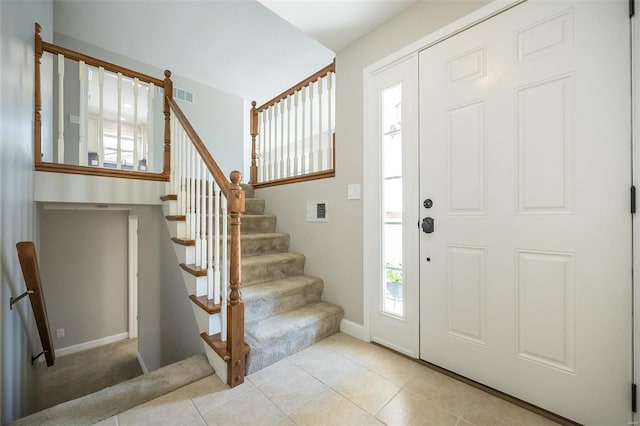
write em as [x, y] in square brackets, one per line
[391, 252]
[525, 281]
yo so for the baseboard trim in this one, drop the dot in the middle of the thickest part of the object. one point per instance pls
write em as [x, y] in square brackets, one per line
[353, 329]
[144, 368]
[91, 344]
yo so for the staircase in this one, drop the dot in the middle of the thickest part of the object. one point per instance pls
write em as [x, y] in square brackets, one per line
[283, 309]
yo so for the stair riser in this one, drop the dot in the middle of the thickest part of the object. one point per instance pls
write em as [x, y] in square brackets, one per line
[259, 309]
[195, 285]
[255, 247]
[218, 364]
[185, 254]
[207, 323]
[261, 357]
[263, 272]
[249, 225]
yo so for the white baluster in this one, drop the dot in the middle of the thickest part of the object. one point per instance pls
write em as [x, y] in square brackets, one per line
[149, 152]
[276, 163]
[60, 108]
[119, 124]
[216, 249]
[192, 190]
[188, 183]
[101, 118]
[263, 144]
[311, 156]
[282, 140]
[203, 214]
[329, 120]
[321, 147]
[225, 273]
[303, 157]
[135, 124]
[183, 172]
[270, 169]
[288, 170]
[196, 204]
[83, 156]
[213, 251]
[296, 163]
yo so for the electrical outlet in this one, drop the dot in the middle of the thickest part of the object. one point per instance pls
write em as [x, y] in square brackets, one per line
[60, 332]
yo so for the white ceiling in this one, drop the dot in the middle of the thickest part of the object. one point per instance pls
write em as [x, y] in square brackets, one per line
[238, 46]
[336, 23]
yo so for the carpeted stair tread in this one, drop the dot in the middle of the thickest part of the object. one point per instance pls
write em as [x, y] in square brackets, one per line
[279, 336]
[275, 297]
[269, 267]
[264, 243]
[110, 401]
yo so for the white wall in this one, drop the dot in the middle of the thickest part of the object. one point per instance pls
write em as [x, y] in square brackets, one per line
[17, 214]
[334, 249]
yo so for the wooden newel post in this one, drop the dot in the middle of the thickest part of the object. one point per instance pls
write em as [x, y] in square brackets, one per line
[253, 178]
[168, 94]
[37, 116]
[235, 312]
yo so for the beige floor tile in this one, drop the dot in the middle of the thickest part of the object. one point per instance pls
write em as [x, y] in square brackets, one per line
[367, 390]
[251, 409]
[488, 410]
[111, 421]
[408, 408]
[351, 348]
[209, 393]
[324, 364]
[394, 367]
[198, 421]
[462, 422]
[286, 422]
[290, 389]
[167, 410]
[442, 390]
[268, 373]
[330, 408]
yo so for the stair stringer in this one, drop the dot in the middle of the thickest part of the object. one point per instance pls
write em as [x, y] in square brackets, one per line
[207, 323]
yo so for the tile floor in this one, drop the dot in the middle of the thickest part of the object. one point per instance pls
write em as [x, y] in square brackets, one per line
[338, 381]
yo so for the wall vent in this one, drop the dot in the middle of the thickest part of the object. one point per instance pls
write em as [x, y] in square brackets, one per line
[183, 95]
[317, 211]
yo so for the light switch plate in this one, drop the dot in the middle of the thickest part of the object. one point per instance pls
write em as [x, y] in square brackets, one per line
[353, 191]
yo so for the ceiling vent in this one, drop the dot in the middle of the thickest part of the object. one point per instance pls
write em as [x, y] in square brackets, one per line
[183, 95]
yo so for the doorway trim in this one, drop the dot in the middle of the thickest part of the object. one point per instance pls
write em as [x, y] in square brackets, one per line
[371, 158]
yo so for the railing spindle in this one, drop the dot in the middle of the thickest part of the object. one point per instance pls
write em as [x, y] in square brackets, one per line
[101, 118]
[303, 156]
[119, 125]
[282, 141]
[320, 130]
[183, 172]
[224, 284]
[196, 204]
[311, 155]
[203, 214]
[192, 196]
[296, 163]
[213, 272]
[263, 147]
[270, 175]
[150, 97]
[288, 169]
[135, 124]
[60, 108]
[329, 120]
[83, 157]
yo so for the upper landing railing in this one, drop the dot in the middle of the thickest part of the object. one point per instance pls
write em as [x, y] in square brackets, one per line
[292, 135]
[106, 120]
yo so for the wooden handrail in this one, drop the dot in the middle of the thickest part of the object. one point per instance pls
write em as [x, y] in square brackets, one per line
[235, 344]
[216, 172]
[31, 273]
[253, 169]
[312, 78]
[40, 47]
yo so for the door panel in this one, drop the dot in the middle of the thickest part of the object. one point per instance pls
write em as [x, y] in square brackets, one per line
[392, 274]
[524, 150]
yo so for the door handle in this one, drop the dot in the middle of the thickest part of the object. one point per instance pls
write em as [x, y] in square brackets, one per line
[427, 225]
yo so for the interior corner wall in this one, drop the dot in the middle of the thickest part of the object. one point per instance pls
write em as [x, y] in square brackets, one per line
[334, 250]
[18, 340]
[167, 328]
[216, 116]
